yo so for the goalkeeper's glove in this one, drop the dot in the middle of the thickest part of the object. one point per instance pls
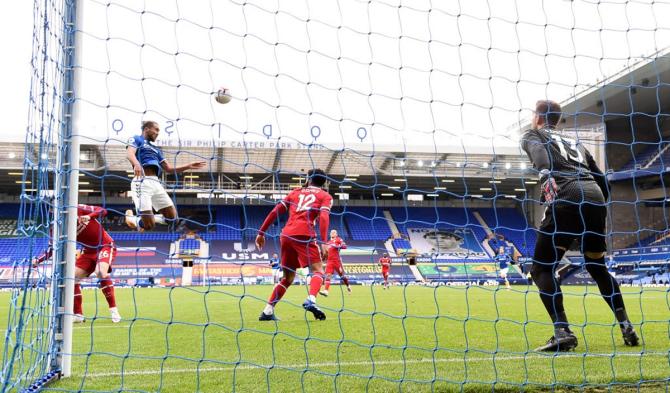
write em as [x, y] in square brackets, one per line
[549, 187]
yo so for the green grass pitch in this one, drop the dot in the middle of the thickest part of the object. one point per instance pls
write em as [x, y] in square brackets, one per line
[409, 339]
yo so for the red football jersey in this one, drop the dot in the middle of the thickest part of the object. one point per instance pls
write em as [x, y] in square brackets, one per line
[385, 262]
[92, 235]
[304, 206]
[334, 247]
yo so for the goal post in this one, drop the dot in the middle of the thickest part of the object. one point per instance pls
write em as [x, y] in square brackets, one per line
[69, 148]
[39, 348]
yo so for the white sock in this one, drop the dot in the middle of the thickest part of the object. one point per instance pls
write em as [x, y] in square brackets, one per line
[112, 309]
[311, 298]
[269, 309]
[160, 219]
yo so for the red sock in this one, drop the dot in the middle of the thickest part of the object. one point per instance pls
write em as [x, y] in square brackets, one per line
[327, 283]
[315, 283]
[345, 280]
[279, 291]
[107, 287]
[77, 299]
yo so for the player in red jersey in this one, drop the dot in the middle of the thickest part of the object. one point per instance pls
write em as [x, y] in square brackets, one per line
[298, 240]
[334, 263]
[97, 257]
[385, 261]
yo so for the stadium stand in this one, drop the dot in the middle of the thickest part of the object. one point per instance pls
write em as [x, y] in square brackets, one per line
[338, 221]
[438, 218]
[252, 219]
[652, 160]
[644, 157]
[13, 250]
[352, 223]
[355, 223]
[401, 244]
[189, 246]
[144, 236]
[366, 223]
[228, 223]
[513, 226]
[655, 240]
[9, 210]
[649, 237]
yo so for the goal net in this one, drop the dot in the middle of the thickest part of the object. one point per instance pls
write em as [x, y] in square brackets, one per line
[415, 111]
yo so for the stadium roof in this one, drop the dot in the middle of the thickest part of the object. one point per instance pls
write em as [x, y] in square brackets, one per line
[642, 88]
[263, 170]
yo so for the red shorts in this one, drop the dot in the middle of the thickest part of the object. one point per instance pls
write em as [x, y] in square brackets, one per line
[385, 271]
[334, 267]
[90, 258]
[298, 252]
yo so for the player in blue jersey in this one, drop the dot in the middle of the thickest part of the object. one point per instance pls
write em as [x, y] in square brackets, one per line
[148, 191]
[504, 259]
[276, 268]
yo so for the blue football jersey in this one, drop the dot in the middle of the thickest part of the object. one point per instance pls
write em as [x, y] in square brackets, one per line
[509, 250]
[147, 154]
[503, 260]
[274, 263]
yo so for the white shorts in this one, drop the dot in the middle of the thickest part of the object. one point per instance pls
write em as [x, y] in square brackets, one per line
[148, 194]
[503, 272]
[277, 273]
[303, 272]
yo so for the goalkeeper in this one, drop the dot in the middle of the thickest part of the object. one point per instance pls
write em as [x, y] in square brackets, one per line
[574, 192]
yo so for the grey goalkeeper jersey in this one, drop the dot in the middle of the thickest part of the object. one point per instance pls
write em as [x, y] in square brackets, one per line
[570, 164]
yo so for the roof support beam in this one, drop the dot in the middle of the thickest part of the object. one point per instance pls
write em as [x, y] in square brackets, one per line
[333, 158]
[387, 162]
[277, 161]
[219, 160]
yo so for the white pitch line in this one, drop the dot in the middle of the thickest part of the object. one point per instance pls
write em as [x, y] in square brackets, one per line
[312, 366]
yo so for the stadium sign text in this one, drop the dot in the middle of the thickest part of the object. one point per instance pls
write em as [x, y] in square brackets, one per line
[170, 127]
[244, 256]
[142, 272]
[236, 144]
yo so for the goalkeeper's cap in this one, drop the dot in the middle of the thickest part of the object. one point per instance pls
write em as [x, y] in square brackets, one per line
[317, 177]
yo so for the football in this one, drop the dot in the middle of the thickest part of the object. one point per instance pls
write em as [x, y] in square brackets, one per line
[223, 96]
